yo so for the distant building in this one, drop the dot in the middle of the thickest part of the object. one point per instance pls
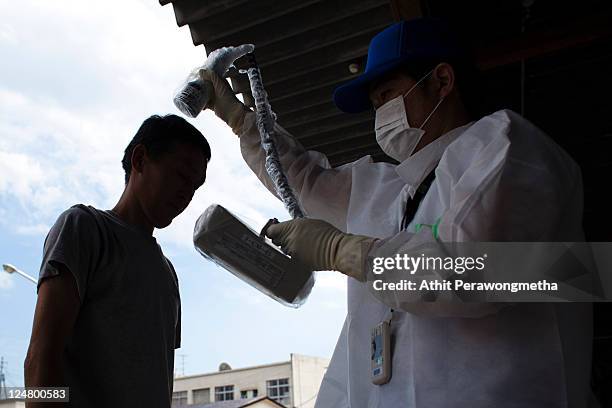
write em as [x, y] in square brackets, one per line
[293, 383]
[16, 403]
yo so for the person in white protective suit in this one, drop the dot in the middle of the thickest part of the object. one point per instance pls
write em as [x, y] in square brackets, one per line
[496, 178]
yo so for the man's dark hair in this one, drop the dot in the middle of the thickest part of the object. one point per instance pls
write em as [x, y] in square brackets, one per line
[159, 135]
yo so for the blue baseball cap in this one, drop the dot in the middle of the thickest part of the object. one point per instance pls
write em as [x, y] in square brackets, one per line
[413, 40]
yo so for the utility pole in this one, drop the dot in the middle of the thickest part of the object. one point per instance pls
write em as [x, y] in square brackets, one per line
[182, 371]
[179, 368]
[3, 394]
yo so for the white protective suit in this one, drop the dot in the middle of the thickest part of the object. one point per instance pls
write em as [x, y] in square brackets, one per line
[498, 179]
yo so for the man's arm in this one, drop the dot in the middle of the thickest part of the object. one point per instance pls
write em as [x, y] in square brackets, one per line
[491, 195]
[57, 308]
[323, 191]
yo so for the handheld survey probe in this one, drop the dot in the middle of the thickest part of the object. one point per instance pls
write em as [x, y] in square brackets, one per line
[222, 237]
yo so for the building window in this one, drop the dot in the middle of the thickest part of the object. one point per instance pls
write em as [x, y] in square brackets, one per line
[224, 393]
[201, 396]
[278, 390]
[179, 399]
[248, 394]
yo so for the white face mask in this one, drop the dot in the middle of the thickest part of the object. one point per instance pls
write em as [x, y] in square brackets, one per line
[394, 134]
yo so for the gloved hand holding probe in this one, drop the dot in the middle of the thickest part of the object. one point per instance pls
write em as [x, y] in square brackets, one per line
[224, 102]
[321, 246]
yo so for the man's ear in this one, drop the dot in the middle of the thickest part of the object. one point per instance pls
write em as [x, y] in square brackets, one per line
[444, 77]
[138, 157]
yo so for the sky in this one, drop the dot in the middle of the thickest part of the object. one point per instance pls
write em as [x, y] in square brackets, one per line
[77, 78]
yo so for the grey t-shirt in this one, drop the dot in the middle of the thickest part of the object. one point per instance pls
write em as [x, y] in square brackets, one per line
[121, 352]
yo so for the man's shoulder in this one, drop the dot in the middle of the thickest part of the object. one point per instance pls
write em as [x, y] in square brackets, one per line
[80, 212]
[508, 134]
[489, 135]
[80, 209]
[535, 144]
[503, 120]
[79, 217]
[512, 126]
[504, 128]
[496, 125]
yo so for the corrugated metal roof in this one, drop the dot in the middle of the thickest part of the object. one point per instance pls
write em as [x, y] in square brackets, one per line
[304, 49]
[240, 403]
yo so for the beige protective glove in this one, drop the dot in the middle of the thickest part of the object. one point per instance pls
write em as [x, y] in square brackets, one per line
[321, 246]
[224, 102]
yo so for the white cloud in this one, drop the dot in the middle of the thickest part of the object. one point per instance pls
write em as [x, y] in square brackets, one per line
[35, 229]
[7, 34]
[6, 281]
[331, 280]
[92, 51]
[70, 102]
[19, 175]
[46, 163]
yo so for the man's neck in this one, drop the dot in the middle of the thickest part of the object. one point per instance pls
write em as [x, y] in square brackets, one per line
[454, 117]
[129, 210]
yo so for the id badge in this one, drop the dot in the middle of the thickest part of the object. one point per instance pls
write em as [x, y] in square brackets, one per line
[380, 351]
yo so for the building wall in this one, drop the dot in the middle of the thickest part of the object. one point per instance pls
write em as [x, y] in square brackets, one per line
[12, 403]
[241, 379]
[306, 373]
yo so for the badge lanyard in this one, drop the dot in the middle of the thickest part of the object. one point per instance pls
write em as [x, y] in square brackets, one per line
[381, 362]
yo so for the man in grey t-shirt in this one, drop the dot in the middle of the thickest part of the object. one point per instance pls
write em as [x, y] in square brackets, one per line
[107, 318]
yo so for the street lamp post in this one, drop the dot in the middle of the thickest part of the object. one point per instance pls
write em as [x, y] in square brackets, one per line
[12, 269]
